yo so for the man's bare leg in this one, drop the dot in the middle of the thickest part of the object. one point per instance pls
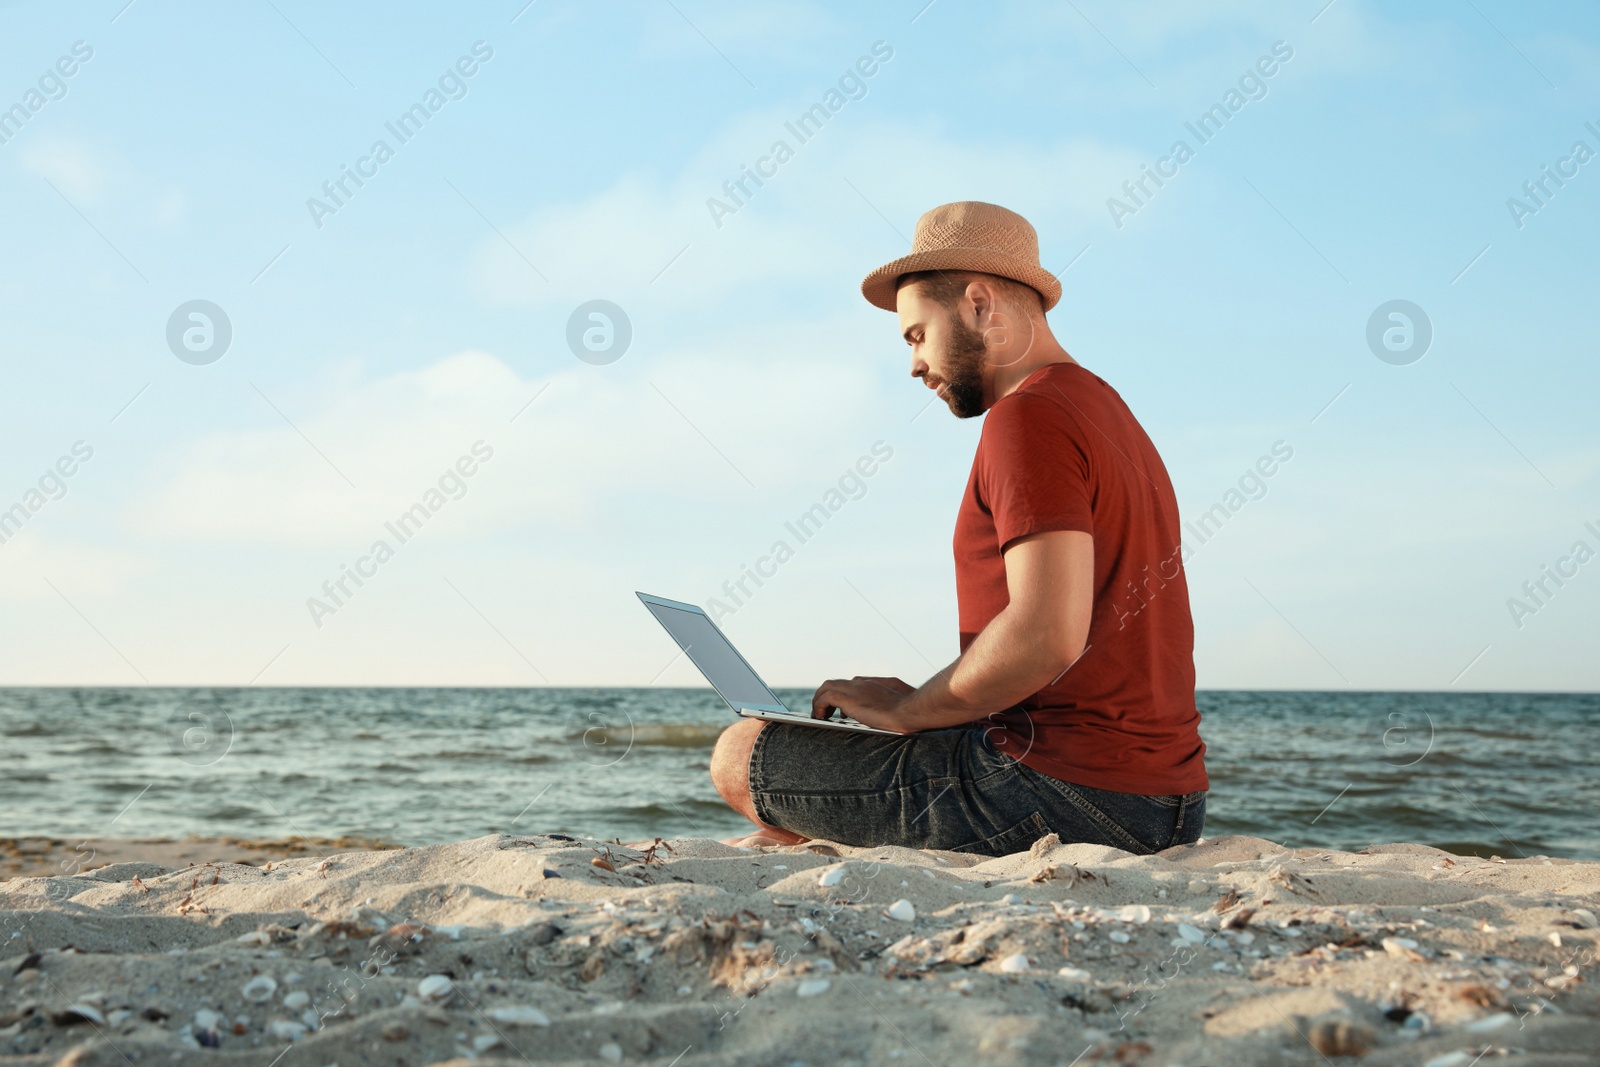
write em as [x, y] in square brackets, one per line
[730, 773]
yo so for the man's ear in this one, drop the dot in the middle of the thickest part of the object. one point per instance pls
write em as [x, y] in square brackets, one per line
[982, 298]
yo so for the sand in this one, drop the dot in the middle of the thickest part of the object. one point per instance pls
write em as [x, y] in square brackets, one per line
[35, 856]
[504, 950]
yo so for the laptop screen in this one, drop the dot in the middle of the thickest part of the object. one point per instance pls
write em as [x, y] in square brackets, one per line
[722, 665]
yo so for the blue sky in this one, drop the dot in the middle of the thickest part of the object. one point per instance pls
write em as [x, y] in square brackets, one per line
[375, 346]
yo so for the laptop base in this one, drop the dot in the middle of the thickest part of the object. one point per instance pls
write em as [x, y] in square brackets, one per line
[799, 719]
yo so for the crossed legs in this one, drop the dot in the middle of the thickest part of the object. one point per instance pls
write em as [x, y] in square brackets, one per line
[730, 773]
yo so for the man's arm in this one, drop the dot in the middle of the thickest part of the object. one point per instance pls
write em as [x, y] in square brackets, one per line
[1040, 633]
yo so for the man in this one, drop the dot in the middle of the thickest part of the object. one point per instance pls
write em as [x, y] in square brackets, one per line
[1071, 708]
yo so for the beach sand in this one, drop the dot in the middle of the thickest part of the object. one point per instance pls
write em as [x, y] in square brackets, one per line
[36, 856]
[502, 950]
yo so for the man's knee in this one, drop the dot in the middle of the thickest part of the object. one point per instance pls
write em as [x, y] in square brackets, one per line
[730, 761]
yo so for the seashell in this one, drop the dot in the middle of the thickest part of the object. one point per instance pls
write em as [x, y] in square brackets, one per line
[603, 863]
[255, 937]
[78, 1013]
[902, 911]
[1340, 1037]
[1011, 898]
[311, 1019]
[1190, 933]
[485, 1042]
[285, 1030]
[1490, 1023]
[435, 988]
[207, 1020]
[297, 1000]
[519, 1015]
[1402, 947]
[1135, 913]
[1016, 963]
[1585, 918]
[259, 989]
[813, 987]
[1121, 937]
[1075, 974]
[611, 1052]
[401, 934]
[832, 876]
[1554, 938]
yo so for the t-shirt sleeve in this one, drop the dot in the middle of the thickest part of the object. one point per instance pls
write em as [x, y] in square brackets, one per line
[1034, 471]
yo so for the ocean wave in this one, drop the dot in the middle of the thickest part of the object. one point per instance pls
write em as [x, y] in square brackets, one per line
[668, 734]
[1486, 773]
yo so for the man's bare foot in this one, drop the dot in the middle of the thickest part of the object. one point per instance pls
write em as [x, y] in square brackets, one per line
[766, 839]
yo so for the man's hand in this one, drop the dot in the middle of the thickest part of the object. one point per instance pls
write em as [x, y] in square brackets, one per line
[874, 701]
[1035, 639]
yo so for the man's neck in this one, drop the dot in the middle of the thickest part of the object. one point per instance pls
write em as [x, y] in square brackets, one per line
[1045, 351]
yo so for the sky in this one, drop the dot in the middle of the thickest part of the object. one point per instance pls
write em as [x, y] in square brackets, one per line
[191, 475]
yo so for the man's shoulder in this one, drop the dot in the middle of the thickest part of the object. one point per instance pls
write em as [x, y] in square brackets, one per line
[1066, 380]
[1056, 393]
[1035, 421]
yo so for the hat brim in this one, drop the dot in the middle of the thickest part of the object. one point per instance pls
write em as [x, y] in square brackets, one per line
[880, 286]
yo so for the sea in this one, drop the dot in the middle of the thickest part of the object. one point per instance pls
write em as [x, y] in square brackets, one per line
[1507, 774]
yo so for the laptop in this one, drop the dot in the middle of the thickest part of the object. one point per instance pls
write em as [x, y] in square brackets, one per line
[735, 681]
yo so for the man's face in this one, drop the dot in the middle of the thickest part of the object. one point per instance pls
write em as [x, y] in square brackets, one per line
[946, 353]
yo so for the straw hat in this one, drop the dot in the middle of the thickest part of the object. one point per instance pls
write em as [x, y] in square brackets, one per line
[968, 235]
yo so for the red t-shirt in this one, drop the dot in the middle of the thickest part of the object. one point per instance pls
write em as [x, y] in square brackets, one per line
[1063, 452]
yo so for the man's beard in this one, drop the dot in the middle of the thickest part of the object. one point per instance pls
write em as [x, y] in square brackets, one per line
[963, 360]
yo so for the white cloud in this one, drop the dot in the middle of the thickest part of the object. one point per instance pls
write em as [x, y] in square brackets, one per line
[792, 31]
[817, 223]
[31, 560]
[593, 439]
[72, 166]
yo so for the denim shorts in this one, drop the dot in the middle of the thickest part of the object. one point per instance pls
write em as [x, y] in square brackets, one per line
[946, 789]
